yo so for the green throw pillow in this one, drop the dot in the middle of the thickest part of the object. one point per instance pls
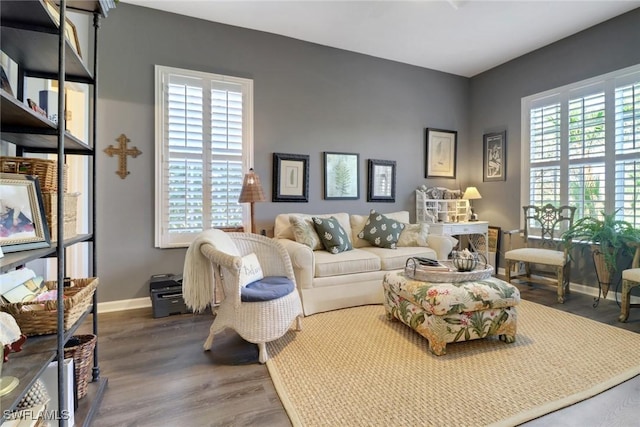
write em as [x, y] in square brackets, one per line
[381, 231]
[332, 235]
[304, 232]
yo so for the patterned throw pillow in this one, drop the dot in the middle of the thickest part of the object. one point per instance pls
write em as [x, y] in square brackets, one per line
[332, 235]
[381, 231]
[304, 232]
[414, 235]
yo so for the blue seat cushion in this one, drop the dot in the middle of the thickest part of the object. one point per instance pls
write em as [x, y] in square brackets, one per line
[267, 289]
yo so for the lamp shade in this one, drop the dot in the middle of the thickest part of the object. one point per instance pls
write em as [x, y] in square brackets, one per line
[251, 188]
[471, 193]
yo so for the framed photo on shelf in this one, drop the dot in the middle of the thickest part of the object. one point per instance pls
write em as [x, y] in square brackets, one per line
[382, 181]
[290, 178]
[494, 157]
[341, 176]
[440, 153]
[22, 218]
[71, 32]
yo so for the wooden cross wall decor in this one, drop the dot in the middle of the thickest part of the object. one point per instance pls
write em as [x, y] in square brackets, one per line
[122, 152]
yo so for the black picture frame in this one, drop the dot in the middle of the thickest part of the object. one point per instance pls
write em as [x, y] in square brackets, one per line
[23, 223]
[494, 158]
[290, 178]
[440, 153]
[382, 181]
[341, 176]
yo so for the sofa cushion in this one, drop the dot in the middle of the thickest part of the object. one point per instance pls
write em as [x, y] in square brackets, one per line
[357, 224]
[381, 231]
[414, 235]
[304, 231]
[333, 237]
[395, 259]
[349, 262]
[283, 230]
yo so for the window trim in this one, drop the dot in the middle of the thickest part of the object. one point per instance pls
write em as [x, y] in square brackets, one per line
[161, 239]
[607, 83]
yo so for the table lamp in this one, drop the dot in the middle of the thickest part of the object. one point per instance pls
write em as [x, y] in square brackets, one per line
[251, 193]
[472, 193]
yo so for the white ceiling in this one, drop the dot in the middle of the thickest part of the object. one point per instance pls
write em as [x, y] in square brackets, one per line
[463, 37]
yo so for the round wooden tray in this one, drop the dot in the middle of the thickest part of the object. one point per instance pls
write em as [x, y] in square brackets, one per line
[426, 274]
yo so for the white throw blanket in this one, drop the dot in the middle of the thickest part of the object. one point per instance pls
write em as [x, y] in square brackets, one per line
[198, 276]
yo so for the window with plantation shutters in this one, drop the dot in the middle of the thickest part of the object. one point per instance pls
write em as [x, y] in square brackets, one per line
[584, 146]
[203, 146]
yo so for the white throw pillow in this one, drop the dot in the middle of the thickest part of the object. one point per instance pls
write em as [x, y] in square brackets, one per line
[414, 235]
[250, 271]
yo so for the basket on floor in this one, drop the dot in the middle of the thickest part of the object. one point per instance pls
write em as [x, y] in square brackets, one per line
[41, 317]
[80, 348]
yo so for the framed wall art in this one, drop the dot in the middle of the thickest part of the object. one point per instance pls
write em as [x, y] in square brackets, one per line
[495, 235]
[382, 181]
[440, 153]
[290, 178]
[22, 219]
[341, 176]
[494, 157]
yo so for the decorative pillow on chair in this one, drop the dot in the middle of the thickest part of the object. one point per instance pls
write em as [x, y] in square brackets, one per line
[414, 235]
[332, 235]
[381, 231]
[250, 271]
[304, 232]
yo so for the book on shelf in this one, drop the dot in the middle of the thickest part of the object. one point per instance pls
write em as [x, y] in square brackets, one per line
[27, 291]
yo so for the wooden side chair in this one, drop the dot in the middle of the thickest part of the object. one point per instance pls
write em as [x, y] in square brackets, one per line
[543, 227]
[630, 279]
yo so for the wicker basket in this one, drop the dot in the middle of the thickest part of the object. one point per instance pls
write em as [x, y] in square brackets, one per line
[50, 204]
[82, 354]
[45, 170]
[41, 317]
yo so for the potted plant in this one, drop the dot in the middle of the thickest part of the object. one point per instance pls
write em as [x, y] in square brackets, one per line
[609, 237]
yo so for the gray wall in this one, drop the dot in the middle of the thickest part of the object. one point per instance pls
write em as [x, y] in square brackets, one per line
[308, 99]
[495, 98]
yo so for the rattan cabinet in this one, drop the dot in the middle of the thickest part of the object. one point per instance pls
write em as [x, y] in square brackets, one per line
[31, 36]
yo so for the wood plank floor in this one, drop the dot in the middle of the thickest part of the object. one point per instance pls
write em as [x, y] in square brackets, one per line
[159, 375]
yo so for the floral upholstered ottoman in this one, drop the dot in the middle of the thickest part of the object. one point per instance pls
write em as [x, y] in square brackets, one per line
[452, 312]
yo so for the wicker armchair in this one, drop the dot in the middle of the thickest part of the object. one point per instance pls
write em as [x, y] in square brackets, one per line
[544, 247]
[256, 322]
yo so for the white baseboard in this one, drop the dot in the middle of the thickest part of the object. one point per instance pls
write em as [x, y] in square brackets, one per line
[129, 304]
[125, 304]
[591, 291]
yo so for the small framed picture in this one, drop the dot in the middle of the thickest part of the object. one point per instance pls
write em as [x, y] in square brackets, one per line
[494, 157]
[440, 153]
[382, 181]
[290, 178]
[22, 218]
[341, 176]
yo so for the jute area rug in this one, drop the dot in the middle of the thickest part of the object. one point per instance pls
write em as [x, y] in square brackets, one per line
[353, 367]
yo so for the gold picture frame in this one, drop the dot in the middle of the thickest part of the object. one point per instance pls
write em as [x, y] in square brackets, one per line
[71, 32]
[22, 218]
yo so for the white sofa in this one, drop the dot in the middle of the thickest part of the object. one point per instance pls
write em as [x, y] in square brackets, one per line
[329, 281]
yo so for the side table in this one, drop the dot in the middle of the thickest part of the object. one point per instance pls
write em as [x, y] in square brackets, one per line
[464, 229]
